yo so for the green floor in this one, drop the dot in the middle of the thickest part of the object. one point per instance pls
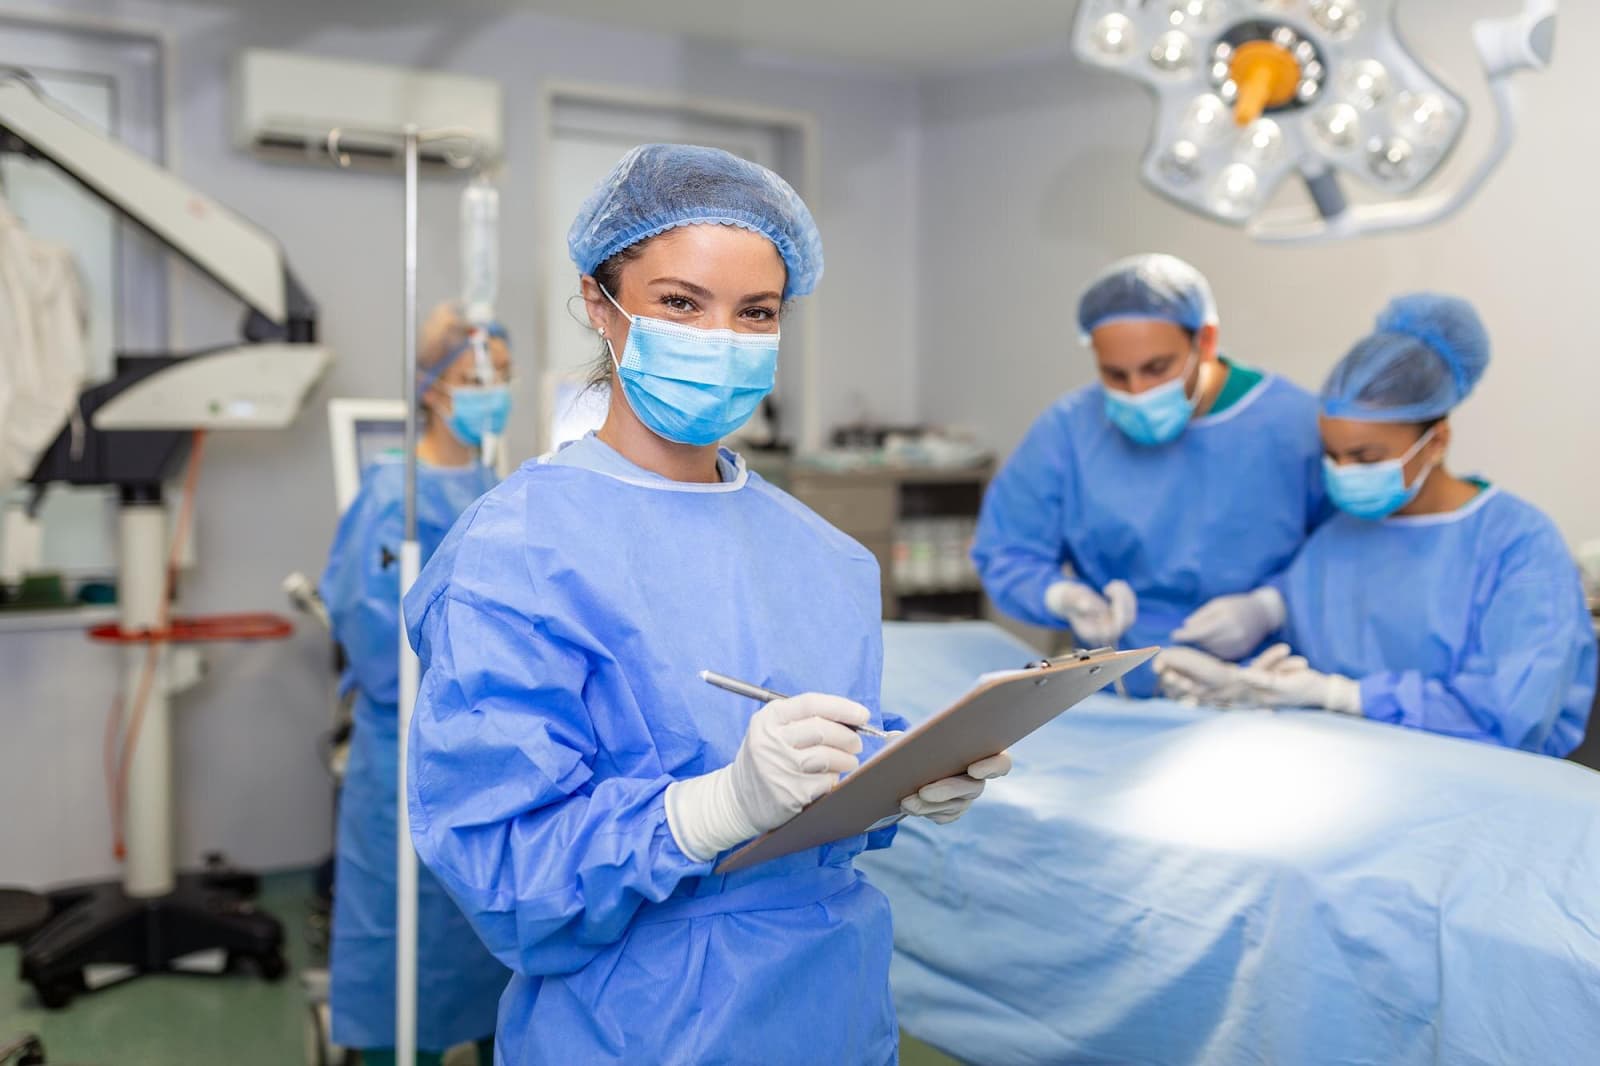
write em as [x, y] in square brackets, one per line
[200, 1021]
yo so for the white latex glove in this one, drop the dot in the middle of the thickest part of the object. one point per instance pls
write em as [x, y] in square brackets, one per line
[1287, 681]
[1279, 659]
[1096, 621]
[1234, 626]
[1193, 676]
[793, 753]
[946, 800]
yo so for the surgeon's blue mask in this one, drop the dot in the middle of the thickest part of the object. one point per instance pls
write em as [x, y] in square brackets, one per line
[693, 386]
[478, 411]
[1374, 490]
[1155, 416]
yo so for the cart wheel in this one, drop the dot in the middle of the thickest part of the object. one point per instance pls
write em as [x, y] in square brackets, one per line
[58, 993]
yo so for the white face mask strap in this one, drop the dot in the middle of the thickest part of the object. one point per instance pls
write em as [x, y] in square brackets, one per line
[1411, 453]
[614, 303]
[1195, 362]
[609, 346]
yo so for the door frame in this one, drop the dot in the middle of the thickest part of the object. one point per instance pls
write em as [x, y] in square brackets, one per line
[800, 128]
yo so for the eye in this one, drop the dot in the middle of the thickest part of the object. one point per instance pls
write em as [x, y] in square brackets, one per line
[760, 314]
[679, 303]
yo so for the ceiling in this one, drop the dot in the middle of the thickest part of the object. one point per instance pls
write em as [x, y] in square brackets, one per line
[917, 36]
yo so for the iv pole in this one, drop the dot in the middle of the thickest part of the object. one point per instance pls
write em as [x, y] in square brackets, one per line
[405, 1002]
[411, 140]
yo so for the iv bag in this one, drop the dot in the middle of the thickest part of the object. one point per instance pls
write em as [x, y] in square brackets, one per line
[480, 249]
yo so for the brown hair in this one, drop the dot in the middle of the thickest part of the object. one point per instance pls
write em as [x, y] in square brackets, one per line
[609, 275]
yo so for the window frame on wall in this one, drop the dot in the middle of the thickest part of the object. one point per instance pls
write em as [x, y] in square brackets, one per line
[135, 63]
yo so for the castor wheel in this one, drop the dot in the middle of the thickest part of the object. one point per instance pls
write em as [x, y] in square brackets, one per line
[272, 967]
[54, 995]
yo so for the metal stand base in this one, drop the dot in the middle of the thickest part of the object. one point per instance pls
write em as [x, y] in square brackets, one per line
[101, 924]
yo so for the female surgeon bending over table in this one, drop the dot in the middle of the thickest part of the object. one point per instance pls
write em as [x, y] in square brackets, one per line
[1433, 601]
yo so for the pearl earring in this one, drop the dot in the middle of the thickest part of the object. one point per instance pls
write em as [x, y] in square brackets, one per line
[602, 331]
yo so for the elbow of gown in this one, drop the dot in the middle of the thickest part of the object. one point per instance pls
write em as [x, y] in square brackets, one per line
[547, 886]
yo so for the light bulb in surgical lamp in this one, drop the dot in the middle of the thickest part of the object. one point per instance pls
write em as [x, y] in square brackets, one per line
[1391, 158]
[1235, 192]
[1113, 36]
[1207, 119]
[1260, 142]
[1181, 163]
[1365, 83]
[1338, 127]
[1340, 18]
[1196, 12]
[1421, 117]
[1172, 51]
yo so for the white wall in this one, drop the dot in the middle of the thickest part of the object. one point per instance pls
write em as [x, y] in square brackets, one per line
[1030, 185]
[250, 781]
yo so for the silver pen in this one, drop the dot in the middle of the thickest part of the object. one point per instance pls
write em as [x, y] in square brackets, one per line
[766, 695]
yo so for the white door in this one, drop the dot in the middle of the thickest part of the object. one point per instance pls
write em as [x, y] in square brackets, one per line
[585, 143]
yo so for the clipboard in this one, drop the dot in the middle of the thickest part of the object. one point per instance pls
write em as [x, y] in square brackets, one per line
[999, 711]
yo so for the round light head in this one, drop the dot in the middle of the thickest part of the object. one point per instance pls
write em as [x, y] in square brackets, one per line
[1261, 142]
[1172, 52]
[1365, 83]
[1181, 163]
[1338, 126]
[1391, 159]
[1207, 119]
[1236, 192]
[1340, 19]
[1113, 36]
[1197, 12]
[1421, 117]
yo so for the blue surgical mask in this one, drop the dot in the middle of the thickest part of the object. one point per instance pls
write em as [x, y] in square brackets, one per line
[1155, 416]
[1374, 490]
[693, 386]
[478, 411]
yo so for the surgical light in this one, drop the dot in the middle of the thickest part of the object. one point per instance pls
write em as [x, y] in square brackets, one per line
[1254, 93]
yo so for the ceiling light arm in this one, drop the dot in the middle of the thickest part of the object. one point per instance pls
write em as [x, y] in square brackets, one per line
[1506, 47]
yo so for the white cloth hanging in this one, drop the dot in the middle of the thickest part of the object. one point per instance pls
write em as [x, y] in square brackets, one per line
[44, 341]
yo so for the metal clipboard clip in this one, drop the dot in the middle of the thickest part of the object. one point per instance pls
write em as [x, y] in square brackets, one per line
[1077, 655]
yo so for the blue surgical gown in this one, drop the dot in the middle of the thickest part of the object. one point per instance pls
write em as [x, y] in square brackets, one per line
[1471, 624]
[1217, 511]
[562, 628]
[459, 981]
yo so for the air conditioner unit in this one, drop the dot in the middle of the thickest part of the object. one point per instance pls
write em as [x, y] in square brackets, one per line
[305, 108]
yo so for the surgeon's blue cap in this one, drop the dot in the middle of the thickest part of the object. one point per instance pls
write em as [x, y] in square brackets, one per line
[1425, 356]
[1160, 288]
[657, 187]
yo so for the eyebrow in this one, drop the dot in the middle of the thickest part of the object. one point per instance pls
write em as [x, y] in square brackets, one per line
[707, 294]
[703, 293]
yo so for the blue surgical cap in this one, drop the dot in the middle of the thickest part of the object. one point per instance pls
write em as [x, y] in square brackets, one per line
[1161, 288]
[659, 186]
[1424, 357]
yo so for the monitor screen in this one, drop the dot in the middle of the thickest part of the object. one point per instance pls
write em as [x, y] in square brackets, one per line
[376, 438]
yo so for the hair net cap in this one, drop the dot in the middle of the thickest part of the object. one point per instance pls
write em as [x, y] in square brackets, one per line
[1161, 288]
[1425, 356]
[657, 187]
[443, 332]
